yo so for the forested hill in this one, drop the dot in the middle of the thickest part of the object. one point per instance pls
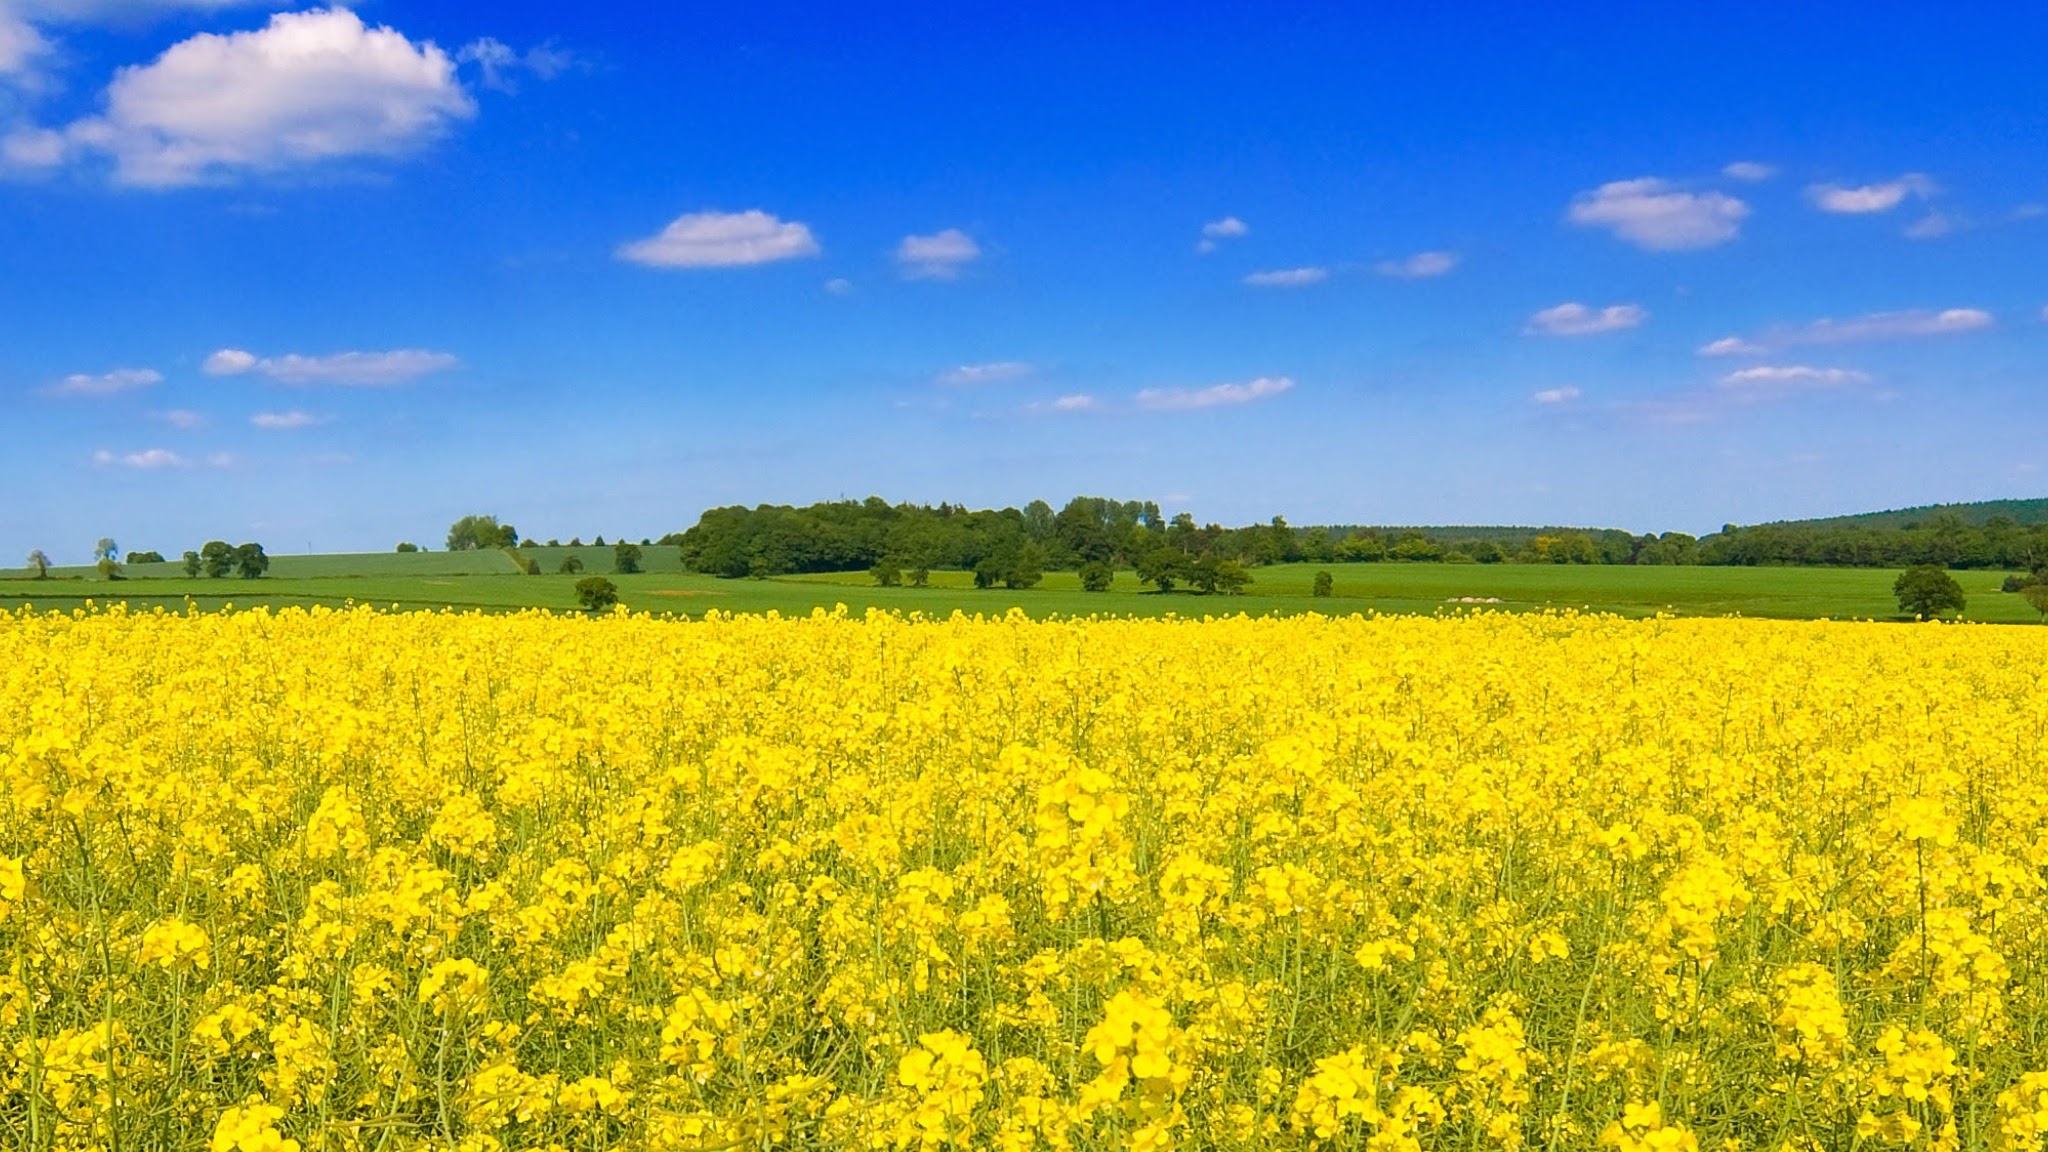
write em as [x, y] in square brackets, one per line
[1977, 515]
[1014, 545]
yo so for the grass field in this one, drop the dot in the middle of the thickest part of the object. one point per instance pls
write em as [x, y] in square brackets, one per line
[486, 580]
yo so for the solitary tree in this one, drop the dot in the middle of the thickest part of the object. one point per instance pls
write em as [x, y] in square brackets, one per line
[1096, 576]
[571, 565]
[1325, 584]
[1927, 591]
[250, 561]
[191, 559]
[887, 573]
[597, 593]
[40, 561]
[2036, 596]
[106, 549]
[626, 558]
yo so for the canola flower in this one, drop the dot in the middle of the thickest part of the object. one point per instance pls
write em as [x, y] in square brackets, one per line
[325, 880]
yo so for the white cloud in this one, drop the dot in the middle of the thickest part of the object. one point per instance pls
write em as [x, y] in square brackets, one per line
[1731, 346]
[106, 383]
[839, 286]
[939, 256]
[1228, 228]
[1419, 266]
[345, 369]
[290, 421]
[1575, 319]
[308, 87]
[1288, 278]
[1870, 198]
[1214, 396]
[183, 419]
[1078, 402]
[1793, 376]
[722, 240]
[1749, 171]
[1900, 325]
[991, 373]
[148, 460]
[1654, 215]
[1555, 396]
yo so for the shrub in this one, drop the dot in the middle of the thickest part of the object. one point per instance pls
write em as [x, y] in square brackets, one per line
[571, 565]
[887, 573]
[626, 558]
[1325, 585]
[1097, 576]
[407, 546]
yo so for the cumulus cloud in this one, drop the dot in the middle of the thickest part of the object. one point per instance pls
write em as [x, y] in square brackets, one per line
[1869, 198]
[939, 256]
[306, 88]
[342, 369]
[1228, 228]
[1288, 278]
[990, 373]
[722, 240]
[1419, 266]
[1731, 346]
[1555, 396]
[1575, 319]
[106, 383]
[290, 421]
[1655, 215]
[1749, 171]
[1214, 396]
[1792, 376]
[149, 459]
[20, 46]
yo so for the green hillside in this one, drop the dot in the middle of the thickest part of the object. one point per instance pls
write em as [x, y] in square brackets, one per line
[1976, 514]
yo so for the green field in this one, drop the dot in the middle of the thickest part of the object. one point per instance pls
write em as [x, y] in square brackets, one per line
[487, 580]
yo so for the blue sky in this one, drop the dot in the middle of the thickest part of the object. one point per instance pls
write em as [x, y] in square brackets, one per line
[329, 278]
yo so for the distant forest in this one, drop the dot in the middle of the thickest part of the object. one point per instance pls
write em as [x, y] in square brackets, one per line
[1090, 533]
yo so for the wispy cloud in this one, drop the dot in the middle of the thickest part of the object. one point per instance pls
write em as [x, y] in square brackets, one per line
[1732, 346]
[1228, 228]
[1552, 397]
[1214, 396]
[1288, 277]
[1656, 215]
[939, 256]
[1868, 198]
[500, 64]
[184, 419]
[147, 460]
[1749, 171]
[342, 369]
[1419, 266]
[1901, 325]
[1076, 402]
[722, 240]
[1575, 319]
[990, 373]
[106, 383]
[290, 421]
[1793, 376]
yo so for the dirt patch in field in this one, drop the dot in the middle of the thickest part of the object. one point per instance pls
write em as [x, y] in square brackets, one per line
[686, 592]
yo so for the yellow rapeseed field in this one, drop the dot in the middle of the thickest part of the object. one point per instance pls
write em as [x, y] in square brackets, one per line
[355, 880]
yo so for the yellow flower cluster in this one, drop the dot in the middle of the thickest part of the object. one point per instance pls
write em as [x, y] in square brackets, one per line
[349, 881]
